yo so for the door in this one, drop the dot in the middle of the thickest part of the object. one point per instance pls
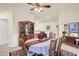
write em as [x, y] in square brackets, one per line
[3, 31]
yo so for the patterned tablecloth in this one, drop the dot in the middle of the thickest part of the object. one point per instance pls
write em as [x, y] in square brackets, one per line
[40, 48]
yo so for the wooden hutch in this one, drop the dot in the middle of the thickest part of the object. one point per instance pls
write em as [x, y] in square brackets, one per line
[26, 31]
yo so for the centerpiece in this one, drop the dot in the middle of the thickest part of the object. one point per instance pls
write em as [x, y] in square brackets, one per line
[42, 36]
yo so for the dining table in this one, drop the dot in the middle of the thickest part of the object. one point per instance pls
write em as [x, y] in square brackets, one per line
[39, 48]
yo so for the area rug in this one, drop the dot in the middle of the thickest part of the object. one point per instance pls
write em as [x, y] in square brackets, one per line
[19, 52]
[67, 53]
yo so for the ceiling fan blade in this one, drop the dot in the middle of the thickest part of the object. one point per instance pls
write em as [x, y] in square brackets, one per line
[32, 8]
[45, 6]
[31, 4]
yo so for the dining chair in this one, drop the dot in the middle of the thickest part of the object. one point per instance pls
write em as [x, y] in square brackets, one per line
[59, 44]
[18, 52]
[52, 50]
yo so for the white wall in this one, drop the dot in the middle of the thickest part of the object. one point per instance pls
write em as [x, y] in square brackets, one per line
[67, 16]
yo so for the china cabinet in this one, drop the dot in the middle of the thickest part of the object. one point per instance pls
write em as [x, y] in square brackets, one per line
[26, 31]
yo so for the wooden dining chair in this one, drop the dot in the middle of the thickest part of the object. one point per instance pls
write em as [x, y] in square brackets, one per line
[52, 50]
[58, 49]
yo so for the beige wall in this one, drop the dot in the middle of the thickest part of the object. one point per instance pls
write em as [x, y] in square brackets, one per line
[8, 15]
[21, 14]
[67, 16]
[52, 25]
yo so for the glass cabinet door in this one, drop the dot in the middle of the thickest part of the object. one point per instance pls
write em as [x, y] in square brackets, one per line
[27, 28]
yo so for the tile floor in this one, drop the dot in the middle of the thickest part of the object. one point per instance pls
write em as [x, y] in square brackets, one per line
[5, 49]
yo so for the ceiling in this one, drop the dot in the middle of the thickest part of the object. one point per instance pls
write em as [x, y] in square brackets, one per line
[49, 13]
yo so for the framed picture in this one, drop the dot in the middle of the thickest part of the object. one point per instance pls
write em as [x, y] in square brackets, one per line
[73, 27]
[48, 27]
[65, 27]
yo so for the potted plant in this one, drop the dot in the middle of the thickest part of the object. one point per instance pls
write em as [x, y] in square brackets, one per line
[64, 32]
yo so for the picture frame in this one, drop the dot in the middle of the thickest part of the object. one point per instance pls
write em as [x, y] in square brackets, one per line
[73, 27]
[65, 27]
[48, 27]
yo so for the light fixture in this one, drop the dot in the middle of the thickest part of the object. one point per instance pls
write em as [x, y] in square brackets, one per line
[41, 8]
[35, 9]
[38, 9]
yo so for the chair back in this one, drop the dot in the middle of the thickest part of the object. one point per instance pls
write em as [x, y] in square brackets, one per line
[59, 43]
[52, 47]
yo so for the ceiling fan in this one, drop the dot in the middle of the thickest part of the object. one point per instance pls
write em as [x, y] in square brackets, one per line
[38, 7]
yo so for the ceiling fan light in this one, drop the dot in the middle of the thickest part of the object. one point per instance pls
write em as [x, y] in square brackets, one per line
[41, 8]
[38, 9]
[35, 9]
